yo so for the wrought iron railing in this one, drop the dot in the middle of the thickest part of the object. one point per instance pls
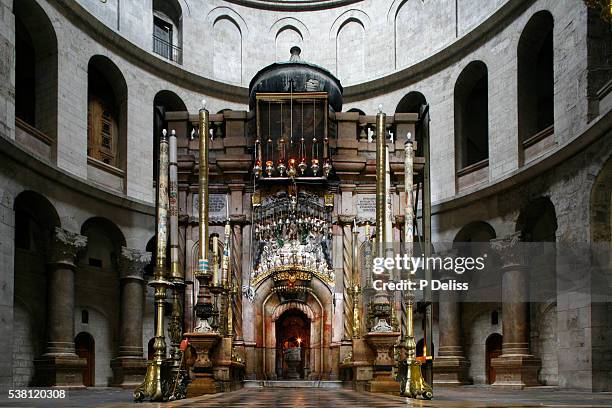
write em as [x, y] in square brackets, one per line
[167, 50]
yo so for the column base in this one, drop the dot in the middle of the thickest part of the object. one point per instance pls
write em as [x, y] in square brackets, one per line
[383, 382]
[128, 372]
[451, 371]
[516, 371]
[204, 381]
[62, 370]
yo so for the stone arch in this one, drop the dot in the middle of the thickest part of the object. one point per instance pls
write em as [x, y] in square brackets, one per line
[35, 220]
[413, 102]
[356, 110]
[537, 221]
[535, 78]
[164, 101]
[298, 25]
[266, 303]
[350, 50]
[302, 307]
[475, 231]
[103, 227]
[227, 12]
[287, 37]
[107, 105]
[39, 207]
[471, 115]
[227, 61]
[36, 77]
[352, 14]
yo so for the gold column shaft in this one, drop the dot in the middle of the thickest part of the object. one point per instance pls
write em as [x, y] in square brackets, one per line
[356, 292]
[203, 184]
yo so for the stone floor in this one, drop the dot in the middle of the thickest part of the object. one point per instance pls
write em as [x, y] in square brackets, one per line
[477, 397]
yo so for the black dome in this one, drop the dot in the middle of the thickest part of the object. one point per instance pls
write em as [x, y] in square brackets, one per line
[306, 78]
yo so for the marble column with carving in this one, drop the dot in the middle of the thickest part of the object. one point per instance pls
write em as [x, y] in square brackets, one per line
[236, 265]
[60, 365]
[346, 221]
[130, 365]
[450, 366]
[516, 367]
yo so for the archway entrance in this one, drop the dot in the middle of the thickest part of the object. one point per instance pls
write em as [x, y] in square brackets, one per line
[493, 347]
[85, 348]
[292, 336]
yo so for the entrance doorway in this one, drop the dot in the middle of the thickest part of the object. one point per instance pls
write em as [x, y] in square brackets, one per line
[292, 332]
[493, 347]
[85, 348]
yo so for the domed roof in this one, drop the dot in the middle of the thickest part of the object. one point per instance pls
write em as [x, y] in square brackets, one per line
[299, 76]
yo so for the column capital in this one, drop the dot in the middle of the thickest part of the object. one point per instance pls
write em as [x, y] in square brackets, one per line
[509, 250]
[65, 246]
[346, 219]
[347, 188]
[238, 219]
[236, 187]
[132, 263]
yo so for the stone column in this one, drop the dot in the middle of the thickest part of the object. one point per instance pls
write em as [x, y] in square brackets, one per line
[130, 365]
[346, 221]
[516, 367]
[236, 264]
[451, 366]
[59, 365]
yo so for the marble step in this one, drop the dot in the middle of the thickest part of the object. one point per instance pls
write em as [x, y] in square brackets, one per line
[291, 384]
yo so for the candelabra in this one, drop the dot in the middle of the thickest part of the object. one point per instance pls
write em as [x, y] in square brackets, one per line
[412, 383]
[155, 383]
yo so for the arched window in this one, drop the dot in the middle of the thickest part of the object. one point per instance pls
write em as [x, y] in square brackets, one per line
[35, 79]
[471, 115]
[167, 101]
[106, 113]
[535, 85]
[413, 102]
[472, 126]
[167, 32]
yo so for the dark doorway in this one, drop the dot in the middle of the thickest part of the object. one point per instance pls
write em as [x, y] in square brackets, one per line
[292, 330]
[493, 347]
[85, 348]
[420, 349]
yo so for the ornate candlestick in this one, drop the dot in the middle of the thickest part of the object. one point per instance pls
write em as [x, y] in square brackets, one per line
[204, 306]
[152, 387]
[411, 379]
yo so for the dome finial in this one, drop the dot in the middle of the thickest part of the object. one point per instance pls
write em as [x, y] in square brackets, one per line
[295, 54]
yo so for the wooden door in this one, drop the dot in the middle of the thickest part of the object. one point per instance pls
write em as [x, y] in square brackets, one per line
[84, 345]
[493, 347]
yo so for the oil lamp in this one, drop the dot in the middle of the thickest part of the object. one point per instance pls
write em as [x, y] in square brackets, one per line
[257, 168]
[315, 167]
[269, 167]
[302, 166]
[327, 168]
[281, 167]
[291, 169]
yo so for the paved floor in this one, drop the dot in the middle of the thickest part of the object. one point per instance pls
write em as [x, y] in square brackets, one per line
[475, 397]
